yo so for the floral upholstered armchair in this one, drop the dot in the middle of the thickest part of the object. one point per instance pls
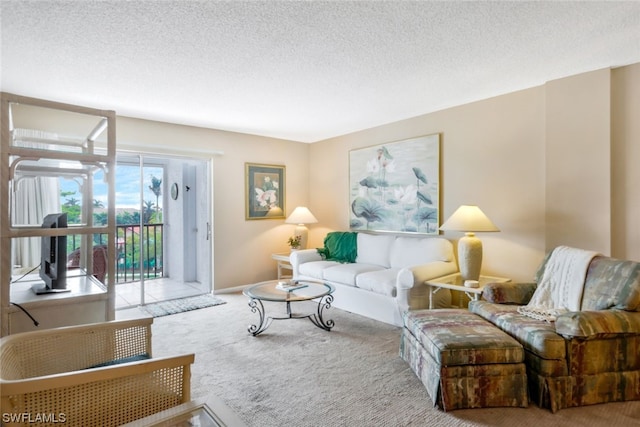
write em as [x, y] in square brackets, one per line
[585, 355]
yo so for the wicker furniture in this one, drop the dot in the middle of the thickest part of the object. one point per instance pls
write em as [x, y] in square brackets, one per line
[463, 360]
[90, 375]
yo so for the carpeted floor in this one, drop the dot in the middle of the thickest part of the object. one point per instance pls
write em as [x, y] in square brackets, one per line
[165, 308]
[295, 374]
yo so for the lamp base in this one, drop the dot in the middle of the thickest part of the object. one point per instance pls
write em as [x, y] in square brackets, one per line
[470, 256]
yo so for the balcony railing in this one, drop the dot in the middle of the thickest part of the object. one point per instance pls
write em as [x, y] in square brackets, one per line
[130, 244]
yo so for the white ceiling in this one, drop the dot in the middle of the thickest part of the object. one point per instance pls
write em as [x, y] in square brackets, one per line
[302, 70]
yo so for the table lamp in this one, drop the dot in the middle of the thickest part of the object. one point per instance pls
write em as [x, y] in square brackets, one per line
[301, 216]
[469, 219]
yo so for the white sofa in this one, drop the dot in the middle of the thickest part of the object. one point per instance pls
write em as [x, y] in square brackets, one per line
[388, 276]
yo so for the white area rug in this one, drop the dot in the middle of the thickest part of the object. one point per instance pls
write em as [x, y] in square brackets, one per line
[165, 308]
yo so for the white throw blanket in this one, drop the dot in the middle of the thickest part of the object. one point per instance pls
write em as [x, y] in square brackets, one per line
[561, 286]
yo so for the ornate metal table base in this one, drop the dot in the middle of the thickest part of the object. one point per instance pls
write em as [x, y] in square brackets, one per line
[315, 318]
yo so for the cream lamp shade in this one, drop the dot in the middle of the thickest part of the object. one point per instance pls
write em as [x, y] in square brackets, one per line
[469, 219]
[301, 216]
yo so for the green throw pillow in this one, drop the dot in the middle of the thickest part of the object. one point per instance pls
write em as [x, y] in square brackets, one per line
[340, 246]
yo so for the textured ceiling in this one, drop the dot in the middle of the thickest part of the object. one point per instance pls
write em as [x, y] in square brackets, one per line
[302, 70]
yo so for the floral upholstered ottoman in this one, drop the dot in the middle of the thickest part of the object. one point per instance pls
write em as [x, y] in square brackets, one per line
[463, 360]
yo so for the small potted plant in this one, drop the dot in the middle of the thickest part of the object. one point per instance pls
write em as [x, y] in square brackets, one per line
[294, 242]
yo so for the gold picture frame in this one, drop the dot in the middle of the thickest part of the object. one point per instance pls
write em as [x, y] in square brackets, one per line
[264, 191]
[395, 187]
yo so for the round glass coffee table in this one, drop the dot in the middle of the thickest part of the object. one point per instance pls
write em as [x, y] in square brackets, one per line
[308, 290]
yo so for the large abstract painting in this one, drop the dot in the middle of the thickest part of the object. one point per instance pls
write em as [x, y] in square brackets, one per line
[395, 187]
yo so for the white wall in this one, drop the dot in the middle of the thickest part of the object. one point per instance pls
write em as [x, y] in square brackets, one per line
[242, 249]
[578, 161]
[625, 158]
[491, 155]
[550, 165]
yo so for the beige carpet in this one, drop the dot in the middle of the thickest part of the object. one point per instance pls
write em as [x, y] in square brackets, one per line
[295, 374]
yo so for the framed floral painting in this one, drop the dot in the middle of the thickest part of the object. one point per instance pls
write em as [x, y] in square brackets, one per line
[395, 187]
[264, 191]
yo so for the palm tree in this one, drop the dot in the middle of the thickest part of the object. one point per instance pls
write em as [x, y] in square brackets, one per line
[72, 201]
[156, 188]
[147, 212]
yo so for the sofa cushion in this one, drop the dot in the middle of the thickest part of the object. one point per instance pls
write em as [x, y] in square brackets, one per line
[314, 269]
[346, 273]
[374, 249]
[381, 281]
[136, 358]
[598, 323]
[612, 283]
[537, 336]
[408, 251]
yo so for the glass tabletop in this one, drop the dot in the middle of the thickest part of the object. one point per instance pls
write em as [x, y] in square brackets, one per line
[457, 280]
[192, 413]
[269, 291]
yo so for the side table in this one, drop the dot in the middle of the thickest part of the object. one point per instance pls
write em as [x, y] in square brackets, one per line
[283, 264]
[455, 282]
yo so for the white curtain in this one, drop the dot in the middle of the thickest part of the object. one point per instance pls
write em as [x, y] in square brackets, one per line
[33, 199]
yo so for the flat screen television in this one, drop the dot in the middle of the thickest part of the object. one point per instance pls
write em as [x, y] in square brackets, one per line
[53, 263]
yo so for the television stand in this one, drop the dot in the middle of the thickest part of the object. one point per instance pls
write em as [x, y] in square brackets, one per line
[83, 301]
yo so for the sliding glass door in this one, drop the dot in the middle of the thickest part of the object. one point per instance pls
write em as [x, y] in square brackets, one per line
[163, 224]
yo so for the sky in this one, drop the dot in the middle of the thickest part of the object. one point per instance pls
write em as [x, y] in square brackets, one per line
[127, 186]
